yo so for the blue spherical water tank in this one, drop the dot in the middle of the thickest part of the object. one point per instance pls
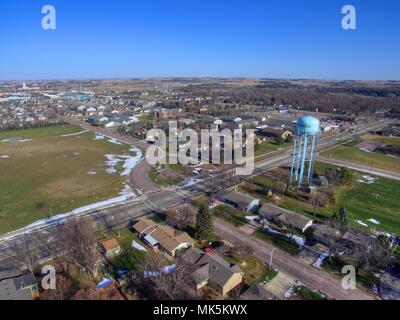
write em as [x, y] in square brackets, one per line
[308, 124]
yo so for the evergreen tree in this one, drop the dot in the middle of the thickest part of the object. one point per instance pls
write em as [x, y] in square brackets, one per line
[204, 223]
[343, 216]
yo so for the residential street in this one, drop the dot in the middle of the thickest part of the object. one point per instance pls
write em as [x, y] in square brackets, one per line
[308, 275]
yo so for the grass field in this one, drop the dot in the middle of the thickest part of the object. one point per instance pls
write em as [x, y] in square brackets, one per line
[351, 153]
[379, 200]
[381, 139]
[51, 173]
[268, 147]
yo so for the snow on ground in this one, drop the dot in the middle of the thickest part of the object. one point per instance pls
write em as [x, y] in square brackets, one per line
[129, 162]
[374, 221]
[361, 223]
[98, 137]
[92, 173]
[126, 194]
[138, 246]
[189, 183]
[15, 140]
[5, 156]
[74, 134]
[367, 179]
[321, 259]
[114, 141]
[251, 218]
[365, 150]
[299, 240]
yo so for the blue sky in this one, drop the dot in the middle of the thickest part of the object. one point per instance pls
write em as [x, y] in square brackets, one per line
[162, 38]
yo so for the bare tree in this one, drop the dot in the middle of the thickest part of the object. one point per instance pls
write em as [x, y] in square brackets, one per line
[317, 200]
[79, 243]
[28, 255]
[165, 285]
[372, 254]
[180, 217]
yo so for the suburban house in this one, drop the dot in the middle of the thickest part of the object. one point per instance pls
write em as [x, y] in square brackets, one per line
[162, 237]
[274, 133]
[110, 247]
[239, 200]
[285, 217]
[212, 270]
[17, 286]
[389, 288]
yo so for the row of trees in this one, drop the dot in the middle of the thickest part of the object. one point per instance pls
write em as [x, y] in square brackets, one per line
[31, 125]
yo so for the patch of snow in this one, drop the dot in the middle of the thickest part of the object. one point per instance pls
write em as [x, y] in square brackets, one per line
[361, 223]
[365, 150]
[251, 218]
[114, 141]
[138, 246]
[188, 183]
[374, 221]
[15, 140]
[74, 134]
[4, 156]
[320, 259]
[98, 137]
[299, 240]
[92, 173]
[129, 162]
[367, 179]
[169, 269]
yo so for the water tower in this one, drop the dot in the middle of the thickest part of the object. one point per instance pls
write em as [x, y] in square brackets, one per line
[305, 136]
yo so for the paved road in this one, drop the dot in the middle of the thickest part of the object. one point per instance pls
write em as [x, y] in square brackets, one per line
[308, 275]
[363, 168]
[157, 199]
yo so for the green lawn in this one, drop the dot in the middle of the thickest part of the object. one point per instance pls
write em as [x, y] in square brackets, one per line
[40, 132]
[229, 214]
[254, 269]
[304, 293]
[382, 139]
[268, 147]
[161, 181]
[353, 154]
[379, 201]
[51, 171]
[279, 241]
[130, 258]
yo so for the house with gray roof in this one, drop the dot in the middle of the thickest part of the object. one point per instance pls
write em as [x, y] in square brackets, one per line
[212, 270]
[285, 217]
[239, 200]
[17, 286]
